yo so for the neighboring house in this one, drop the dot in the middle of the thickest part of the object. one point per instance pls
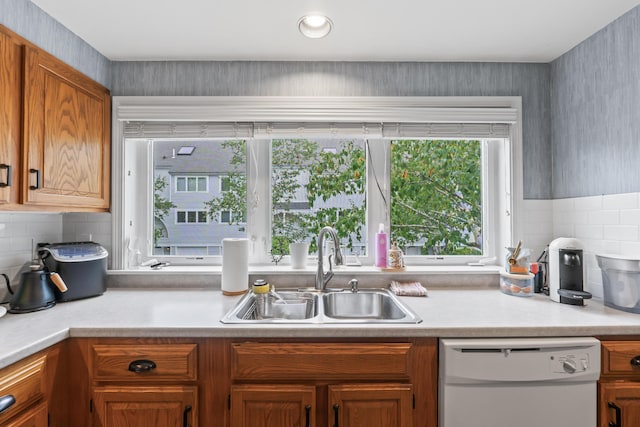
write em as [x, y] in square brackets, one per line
[196, 172]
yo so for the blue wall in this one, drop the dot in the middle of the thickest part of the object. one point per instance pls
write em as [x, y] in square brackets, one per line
[29, 21]
[595, 113]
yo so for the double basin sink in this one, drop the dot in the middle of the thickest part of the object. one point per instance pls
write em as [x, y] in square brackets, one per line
[310, 306]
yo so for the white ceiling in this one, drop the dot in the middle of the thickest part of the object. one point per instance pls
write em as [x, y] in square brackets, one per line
[364, 30]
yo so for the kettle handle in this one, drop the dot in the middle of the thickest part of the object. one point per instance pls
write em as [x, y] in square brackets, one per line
[6, 278]
[57, 280]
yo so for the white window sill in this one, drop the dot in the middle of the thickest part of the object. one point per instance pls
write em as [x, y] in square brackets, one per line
[339, 271]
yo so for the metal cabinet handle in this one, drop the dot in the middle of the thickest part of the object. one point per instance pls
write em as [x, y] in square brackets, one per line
[336, 408]
[618, 420]
[6, 402]
[185, 416]
[7, 183]
[37, 172]
[142, 365]
[635, 361]
[307, 409]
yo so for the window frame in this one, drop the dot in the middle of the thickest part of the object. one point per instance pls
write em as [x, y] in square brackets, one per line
[197, 179]
[186, 212]
[316, 109]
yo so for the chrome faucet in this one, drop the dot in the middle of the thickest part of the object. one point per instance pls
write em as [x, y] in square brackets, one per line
[323, 278]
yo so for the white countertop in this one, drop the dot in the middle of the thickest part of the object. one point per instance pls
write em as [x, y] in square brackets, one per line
[196, 313]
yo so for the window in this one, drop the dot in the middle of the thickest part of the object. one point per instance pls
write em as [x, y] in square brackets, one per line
[191, 217]
[436, 196]
[315, 182]
[191, 184]
[443, 190]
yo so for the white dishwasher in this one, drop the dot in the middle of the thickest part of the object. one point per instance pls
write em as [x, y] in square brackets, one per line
[528, 382]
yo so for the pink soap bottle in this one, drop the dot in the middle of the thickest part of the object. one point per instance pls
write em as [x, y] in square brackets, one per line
[381, 247]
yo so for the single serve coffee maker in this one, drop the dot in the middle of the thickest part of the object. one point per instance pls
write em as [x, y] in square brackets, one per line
[566, 272]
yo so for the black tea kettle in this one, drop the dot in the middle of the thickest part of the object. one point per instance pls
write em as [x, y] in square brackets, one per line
[35, 292]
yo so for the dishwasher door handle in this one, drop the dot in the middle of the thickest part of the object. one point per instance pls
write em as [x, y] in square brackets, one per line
[618, 420]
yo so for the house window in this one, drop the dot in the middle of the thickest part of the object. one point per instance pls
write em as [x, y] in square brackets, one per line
[443, 190]
[191, 217]
[317, 182]
[436, 196]
[191, 184]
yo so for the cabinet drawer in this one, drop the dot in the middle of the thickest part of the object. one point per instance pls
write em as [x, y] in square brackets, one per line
[158, 362]
[621, 358]
[25, 381]
[320, 361]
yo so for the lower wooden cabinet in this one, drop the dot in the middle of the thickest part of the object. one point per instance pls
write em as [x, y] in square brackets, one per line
[353, 405]
[23, 388]
[35, 417]
[371, 405]
[211, 382]
[160, 406]
[619, 404]
[143, 383]
[273, 405]
[619, 385]
[333, 384]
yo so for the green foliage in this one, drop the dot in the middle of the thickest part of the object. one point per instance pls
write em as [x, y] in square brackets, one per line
[338, 174]
[161, 205]
[235, 199]
[436, 195]
[289, 157]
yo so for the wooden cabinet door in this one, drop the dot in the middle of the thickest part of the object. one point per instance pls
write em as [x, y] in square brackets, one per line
[273, 406]
[168, 406]
[619, 404]
[371, 405]
[34, 417]
[10, 117]
[66, 131]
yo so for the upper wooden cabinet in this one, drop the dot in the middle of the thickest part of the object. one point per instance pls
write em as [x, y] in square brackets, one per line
[55, 128]
[66, 134]
[11, 52]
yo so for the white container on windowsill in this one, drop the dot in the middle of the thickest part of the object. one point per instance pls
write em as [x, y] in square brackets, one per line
[299, 252]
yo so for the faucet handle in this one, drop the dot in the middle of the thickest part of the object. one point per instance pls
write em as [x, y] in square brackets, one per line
[354, 285]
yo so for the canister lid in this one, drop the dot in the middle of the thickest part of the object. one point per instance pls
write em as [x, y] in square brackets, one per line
[515, 276]
[260, 287]
[74, 251]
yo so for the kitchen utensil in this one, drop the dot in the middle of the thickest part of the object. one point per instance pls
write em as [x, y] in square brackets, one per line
[513, 259]
[35, 292]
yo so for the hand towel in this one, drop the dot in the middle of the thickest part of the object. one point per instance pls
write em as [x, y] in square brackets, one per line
[413, 289]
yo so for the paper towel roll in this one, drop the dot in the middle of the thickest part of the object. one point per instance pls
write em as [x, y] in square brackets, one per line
[235, 266]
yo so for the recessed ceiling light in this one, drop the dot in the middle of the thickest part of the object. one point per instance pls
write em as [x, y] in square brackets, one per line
[315, 26]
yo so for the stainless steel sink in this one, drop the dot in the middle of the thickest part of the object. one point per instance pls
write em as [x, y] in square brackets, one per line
[289, 312]
[364, 306]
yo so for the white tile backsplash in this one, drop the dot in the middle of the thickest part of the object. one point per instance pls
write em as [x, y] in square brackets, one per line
[612, 227]
[19, 232]
[88, 226]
